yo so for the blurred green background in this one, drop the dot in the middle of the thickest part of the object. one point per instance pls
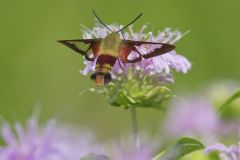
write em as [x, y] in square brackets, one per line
[35, 68]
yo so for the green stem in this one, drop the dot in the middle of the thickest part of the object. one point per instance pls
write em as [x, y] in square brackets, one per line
[134, 121]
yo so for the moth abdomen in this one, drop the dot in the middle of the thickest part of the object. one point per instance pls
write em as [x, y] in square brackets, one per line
[101, 78]
[103, 68]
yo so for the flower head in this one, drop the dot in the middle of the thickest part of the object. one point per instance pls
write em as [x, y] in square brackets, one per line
[158, 67]
[141, 83]
[47, 143]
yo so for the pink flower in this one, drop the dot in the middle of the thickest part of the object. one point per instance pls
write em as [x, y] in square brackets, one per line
[193, 116]
[159, 66]
[128, 149]
[51, 142]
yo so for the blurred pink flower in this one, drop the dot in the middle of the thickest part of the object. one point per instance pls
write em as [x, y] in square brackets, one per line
[193, 116]
[54, 142]
[51, 142]
[130, 149]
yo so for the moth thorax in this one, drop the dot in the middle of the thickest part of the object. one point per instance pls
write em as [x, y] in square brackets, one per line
[112, 38]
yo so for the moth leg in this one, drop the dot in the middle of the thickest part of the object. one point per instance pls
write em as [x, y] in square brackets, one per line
[120, 64]
[87, 56]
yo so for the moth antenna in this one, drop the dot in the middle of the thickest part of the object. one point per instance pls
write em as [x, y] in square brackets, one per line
[95, 14]
[131, 22]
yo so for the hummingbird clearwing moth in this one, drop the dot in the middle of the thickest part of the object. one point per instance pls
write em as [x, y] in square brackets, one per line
[107, 51]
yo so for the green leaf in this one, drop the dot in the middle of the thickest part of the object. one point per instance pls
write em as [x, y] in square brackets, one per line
[183, 147]
[187, 145]
[93, 156]
[235, 96]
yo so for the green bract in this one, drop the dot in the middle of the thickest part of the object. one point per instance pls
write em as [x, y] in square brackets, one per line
[130, 91]
[139, 96]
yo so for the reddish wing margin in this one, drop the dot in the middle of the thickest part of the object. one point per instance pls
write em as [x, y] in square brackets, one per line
[145, 50]
[83, 46]
[126, 51]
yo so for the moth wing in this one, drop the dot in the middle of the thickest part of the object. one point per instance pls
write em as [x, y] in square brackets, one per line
[150, 49]
[86, 47]
[128, 54]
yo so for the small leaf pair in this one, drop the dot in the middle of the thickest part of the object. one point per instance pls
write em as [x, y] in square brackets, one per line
[182, 147]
